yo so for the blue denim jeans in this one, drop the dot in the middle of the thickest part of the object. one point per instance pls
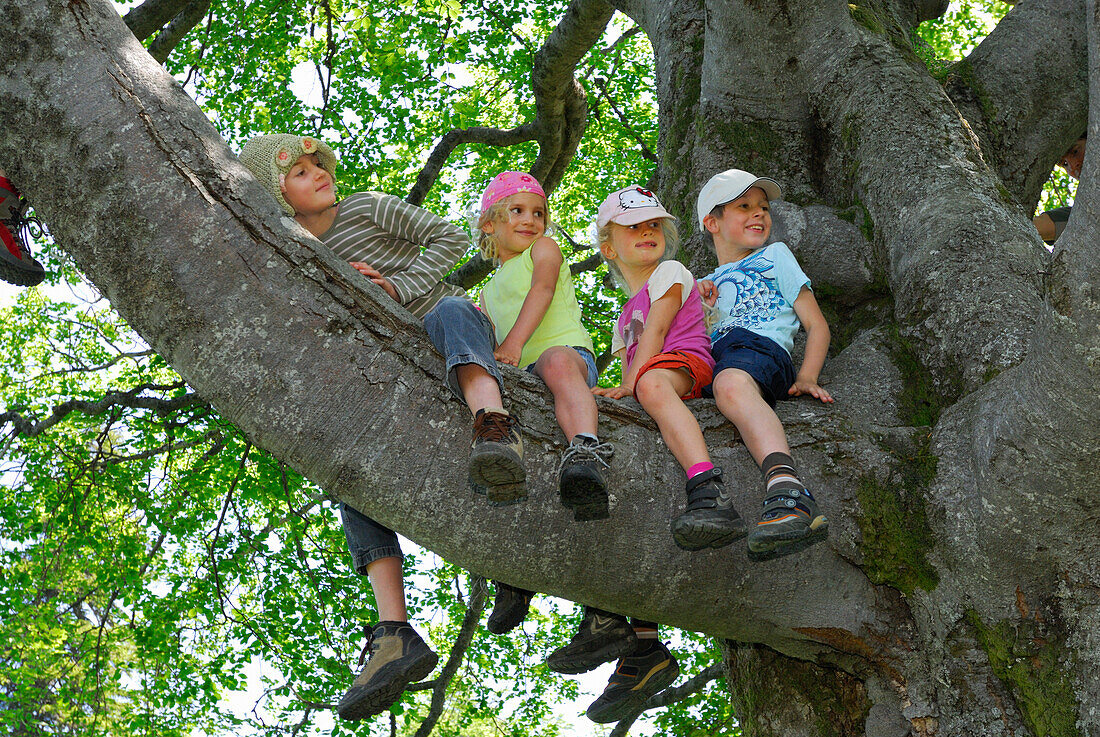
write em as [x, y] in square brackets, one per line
[463, 334]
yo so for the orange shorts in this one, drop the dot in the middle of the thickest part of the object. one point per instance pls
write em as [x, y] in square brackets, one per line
[700, 371]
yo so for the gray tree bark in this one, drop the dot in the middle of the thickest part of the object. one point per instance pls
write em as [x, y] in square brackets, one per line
[957, 594]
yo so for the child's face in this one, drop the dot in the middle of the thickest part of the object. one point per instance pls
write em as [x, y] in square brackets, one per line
[307, 187]
[636, 247]
[1073, 158]
[524, 224]
[745, 222]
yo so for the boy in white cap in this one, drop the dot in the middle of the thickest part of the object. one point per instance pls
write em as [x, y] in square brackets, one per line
[763, 297]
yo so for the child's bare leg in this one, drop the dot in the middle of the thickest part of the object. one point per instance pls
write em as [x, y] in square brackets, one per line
[738, 398]
[659, 391]
[791, 519]
[565, 372]
[581, 477]
[388, 581]
[478, 388]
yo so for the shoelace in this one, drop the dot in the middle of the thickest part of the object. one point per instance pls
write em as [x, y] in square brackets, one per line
[580, 452]
[495, 427]
[369, 632]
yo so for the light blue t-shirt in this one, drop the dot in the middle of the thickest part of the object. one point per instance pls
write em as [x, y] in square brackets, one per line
[758, 292]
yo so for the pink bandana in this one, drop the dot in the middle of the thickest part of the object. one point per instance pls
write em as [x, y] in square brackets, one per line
[508, 183]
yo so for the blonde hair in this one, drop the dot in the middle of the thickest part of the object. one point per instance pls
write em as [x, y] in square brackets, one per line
[487, 243]
[672, 245]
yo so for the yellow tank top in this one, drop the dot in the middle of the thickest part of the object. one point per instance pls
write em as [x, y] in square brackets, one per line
[503, 297]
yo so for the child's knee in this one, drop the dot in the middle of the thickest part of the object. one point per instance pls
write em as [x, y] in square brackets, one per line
[559, 362]
[733, 386]
[652, 386]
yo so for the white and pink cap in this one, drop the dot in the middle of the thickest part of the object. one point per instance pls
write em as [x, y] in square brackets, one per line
[630, 206]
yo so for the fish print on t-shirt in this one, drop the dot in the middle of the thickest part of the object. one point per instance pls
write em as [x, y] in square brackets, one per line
[756, 297]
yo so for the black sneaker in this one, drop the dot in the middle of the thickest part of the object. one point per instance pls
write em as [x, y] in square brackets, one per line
[637, 677]
[510, 607]
[581, 478]
[496, 458]
[601, 637]
[710, 521]
[398, 657]
[791, 522]
[17, 266]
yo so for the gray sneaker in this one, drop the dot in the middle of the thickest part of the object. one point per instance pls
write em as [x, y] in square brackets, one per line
[581, 477]
[398, 657]
[496, 458]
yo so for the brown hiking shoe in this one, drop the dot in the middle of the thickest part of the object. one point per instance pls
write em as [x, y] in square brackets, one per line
[398, 657]
[496, 458]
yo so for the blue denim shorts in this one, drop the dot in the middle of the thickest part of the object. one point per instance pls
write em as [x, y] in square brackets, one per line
[761, 358]
[593, 376]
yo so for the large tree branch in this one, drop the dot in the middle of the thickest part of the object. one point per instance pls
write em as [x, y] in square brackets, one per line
[181, 25]
[1023, 91]
[149, 17]
[452, 140]
[967, 291]
[561, 108]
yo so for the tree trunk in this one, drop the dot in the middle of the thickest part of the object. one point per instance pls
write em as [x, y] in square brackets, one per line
[957, 594]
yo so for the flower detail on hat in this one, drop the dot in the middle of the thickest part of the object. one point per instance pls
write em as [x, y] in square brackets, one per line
[309, 145]
[283, 157]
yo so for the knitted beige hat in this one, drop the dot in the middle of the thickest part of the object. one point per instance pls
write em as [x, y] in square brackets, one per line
[270, 157]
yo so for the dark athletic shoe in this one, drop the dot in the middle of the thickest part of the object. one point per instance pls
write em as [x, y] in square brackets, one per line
[496, 458]
[601, 637]
[398, 657]
[790, 522]
[636, 678]
[710, 521]
[581, 478]
[510, 607]
[17, 266]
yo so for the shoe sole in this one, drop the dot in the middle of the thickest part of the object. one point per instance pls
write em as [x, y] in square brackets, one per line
[21, 274]
[694, 535]
[779, 546]
[500, 472]
[572, 665]
[359, 703]
[634, 702]
[581, 490]
[591, 512]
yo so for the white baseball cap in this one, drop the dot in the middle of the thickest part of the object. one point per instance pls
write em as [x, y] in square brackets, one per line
[731, 184]
[629, 206]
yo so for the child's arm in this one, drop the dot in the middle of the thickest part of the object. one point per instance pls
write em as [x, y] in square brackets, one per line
[817, 346]
[661, 313]
[441, 244]
[547, 260]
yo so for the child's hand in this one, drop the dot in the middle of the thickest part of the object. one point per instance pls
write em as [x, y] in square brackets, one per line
[375, 276]
[614, 392]
[707, 291]
[506, 353]
[803, 386]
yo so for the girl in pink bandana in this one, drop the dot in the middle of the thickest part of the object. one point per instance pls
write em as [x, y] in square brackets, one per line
[537, 321]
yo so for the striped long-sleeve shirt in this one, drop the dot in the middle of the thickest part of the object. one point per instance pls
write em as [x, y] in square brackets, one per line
[408, 245]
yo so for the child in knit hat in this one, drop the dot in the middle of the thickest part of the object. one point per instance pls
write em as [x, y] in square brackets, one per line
[406, 251]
